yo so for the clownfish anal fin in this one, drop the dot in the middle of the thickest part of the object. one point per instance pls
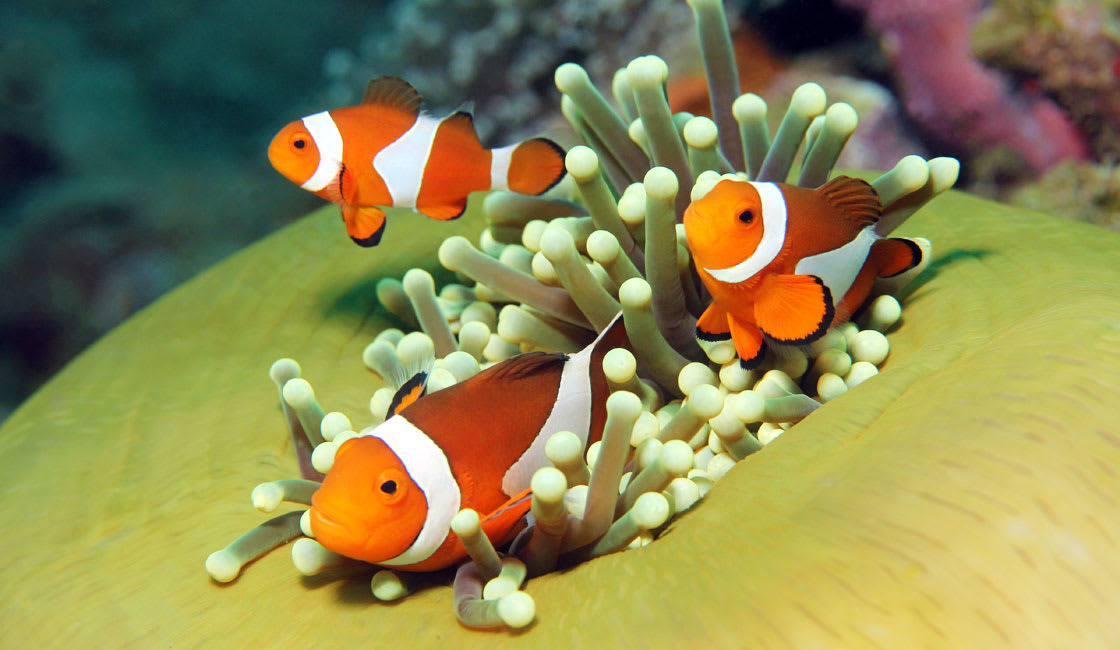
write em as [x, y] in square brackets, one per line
[365, 225]
[749, 344]
[409, 392]
[712, 324]
[444, 212]
[393, 92]
[854, 198]
[794, 309]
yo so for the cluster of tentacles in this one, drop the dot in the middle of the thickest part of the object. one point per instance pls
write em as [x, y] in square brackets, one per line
[549, 273]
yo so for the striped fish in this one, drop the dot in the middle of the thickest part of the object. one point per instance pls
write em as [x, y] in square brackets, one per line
[392, 492]
[386, 152]
[785, 263]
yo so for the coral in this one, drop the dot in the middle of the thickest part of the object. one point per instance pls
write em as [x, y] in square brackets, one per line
[953, 97]
[1082, 191]
[1069, 49]
[449, 50]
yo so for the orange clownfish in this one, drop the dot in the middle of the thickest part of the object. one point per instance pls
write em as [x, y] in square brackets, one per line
[385, 152]
[784, 263]
[392, 492]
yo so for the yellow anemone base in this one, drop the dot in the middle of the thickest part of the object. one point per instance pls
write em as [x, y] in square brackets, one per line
[968, 496]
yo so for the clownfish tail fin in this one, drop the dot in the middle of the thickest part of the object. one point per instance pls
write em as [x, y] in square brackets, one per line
[534, 166]
[897, 255]
[410, 383]
[899, 260]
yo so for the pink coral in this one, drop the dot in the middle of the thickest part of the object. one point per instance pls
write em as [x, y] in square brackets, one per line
[953, 96]
[1065, 48]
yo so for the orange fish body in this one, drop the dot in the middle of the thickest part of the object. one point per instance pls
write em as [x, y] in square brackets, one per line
[386, 152]
[784, 263]
[391, 494]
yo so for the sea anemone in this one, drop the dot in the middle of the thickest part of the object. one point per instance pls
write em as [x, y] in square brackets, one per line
[549, 274]
[964, 497]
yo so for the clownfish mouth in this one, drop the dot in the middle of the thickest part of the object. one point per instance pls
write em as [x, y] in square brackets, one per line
[328, 531]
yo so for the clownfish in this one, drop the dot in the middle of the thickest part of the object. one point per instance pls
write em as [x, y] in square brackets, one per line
[386, 152]
[392, 492]
[785, 263]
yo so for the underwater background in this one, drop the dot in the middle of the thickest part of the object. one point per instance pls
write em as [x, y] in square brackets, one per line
[127, 128]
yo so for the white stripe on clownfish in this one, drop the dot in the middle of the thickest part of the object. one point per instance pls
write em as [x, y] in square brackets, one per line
[428, 467]
[571, 411]
[499, 167]
[328, 140]
[402, 162]
[774, 216]
[839, 267]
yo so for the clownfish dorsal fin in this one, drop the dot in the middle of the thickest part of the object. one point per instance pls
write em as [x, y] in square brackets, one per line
[853, 198]
[530, 363]
[614, 335]
[392, 92]
[463, 122]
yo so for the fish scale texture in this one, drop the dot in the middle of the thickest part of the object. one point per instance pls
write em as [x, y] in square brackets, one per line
[964, 497]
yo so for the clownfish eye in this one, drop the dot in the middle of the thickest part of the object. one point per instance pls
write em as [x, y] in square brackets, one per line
[391, 486]
[299, 143]
[746, 216]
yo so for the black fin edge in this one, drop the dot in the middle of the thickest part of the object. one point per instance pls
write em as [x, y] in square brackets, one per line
[915, 255]
[755, 361]
[559, 150]
[416, 381]
[822, 326]
[712, 337]
[373, 239]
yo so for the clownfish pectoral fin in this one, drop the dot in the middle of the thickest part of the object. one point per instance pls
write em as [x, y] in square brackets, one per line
[444, 212]
[535, 166]
[748, 341]
[410, 380]
[501, 524]
[347, 187]
[895, 255]
[365, 225]
[712, 324]
[393, 92]
[794, 309]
